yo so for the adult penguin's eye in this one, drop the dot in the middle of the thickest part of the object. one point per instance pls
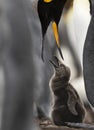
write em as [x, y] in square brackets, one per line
[47, 1]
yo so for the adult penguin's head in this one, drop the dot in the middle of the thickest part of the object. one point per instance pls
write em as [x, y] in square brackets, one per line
[50, 11]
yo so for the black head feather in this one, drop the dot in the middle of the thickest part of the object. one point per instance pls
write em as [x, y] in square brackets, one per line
[49, 12]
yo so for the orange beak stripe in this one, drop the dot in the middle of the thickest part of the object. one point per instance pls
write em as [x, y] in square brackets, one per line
[55, 31]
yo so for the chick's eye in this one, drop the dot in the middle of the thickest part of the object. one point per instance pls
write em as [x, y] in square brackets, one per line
[47, 1]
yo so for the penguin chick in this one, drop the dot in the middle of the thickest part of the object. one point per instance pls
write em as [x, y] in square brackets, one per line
[67, 105]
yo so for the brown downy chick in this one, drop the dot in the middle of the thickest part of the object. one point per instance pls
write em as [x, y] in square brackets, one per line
[67, 105]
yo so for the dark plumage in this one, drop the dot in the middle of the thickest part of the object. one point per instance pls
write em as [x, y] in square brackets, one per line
[88, 58]
[67, 104]
[50, 12]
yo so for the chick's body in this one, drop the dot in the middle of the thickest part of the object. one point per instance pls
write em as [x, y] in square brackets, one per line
[67, 105]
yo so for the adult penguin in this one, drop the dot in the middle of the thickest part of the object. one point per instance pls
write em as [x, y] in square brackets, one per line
[50, 11]
[18, 64]
[88, 58]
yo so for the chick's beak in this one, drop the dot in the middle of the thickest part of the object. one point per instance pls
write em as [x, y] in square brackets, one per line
[56, 35]
[55, 62]
[54, 65]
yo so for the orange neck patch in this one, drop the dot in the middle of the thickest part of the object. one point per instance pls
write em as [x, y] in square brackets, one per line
[47, 1]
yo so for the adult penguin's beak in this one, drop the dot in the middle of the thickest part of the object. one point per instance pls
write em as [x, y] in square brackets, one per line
[56, 35]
